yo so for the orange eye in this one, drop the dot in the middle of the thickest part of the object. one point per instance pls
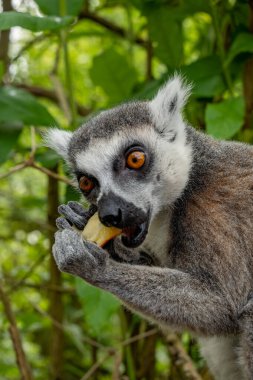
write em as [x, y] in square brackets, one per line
[135, 160]
[86, 184]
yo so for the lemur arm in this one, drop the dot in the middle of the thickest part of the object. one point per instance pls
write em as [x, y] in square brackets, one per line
[165, 295]
[170, 297]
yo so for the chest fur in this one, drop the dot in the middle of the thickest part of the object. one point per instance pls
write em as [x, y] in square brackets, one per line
[158, 240]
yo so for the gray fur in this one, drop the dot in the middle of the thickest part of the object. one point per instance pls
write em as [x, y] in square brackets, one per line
[200, 239]
[106, 124]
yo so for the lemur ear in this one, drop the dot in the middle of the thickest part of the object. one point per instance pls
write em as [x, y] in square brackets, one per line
[167, 105]
[58, 140]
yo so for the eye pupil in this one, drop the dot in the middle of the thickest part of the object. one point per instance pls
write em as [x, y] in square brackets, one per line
[86, 184]
[135, 160]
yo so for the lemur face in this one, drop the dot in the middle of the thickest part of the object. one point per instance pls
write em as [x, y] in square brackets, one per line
[131, 161]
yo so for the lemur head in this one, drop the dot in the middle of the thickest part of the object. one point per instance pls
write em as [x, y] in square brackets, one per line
[132, 161]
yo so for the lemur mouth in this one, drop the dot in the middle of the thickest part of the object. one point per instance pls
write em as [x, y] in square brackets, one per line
[135, 235]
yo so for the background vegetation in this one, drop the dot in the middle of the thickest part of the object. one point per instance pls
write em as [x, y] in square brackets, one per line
[61, 61]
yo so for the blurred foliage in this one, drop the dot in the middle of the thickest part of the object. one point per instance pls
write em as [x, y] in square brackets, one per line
[60, 62]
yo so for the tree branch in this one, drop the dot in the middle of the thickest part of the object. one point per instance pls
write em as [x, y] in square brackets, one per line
[180, 358]
[85, 14]
[96, 366]
[55, 288]
[5, 41]
[27, 274]
[41, 92]
[149, 68]
[247, 80]
[56, 309]
[30, 163]
[21, 360]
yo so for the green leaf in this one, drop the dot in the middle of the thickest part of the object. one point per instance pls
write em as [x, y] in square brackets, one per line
[206, 76]
[149, 89]
[99, 306]
[33, 23]
[225, 119]
[48, 158]
[166, 34]
[189, 7]
[72, 194]
[9, 134]
[19, 105]
[113, 72]
[180, 9]
[75, 334]
[53, 7]
[243, 43]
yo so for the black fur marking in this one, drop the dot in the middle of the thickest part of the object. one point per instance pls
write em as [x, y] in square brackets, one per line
[173, 138]
[173, 104]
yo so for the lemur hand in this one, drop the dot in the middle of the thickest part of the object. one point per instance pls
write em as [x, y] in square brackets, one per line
[78, 257]
[74, 214]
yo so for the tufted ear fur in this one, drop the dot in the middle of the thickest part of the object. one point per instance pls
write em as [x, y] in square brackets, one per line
[167, 105]
[58, 140]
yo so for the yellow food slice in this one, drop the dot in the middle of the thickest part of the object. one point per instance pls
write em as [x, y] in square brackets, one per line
[96, 232]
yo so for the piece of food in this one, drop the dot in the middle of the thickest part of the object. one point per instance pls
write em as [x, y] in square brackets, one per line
[96, 232]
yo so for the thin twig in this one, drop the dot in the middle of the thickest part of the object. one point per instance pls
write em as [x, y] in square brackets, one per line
[28, 273]
[92, 341]
[95, 367]
[180, 358]
[51, 174]
[220, 45]
[61, 96]
[42, 92]
[149, 68]
[33, 143]
[46, 287]
[30, 44]
[30, 163]
[139, 337]
[67, 330]
[86, 14]
[68, 76]
[22, 362]
[116, 368]
[13, 170]
[60, 93]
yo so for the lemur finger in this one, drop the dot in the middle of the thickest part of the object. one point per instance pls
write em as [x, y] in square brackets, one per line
[77, 208]
[71, 216]
[80, 210]
[62, 223]
[92, 210]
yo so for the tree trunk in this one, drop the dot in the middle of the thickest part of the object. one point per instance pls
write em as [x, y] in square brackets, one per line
[55, 298]
[4, 42]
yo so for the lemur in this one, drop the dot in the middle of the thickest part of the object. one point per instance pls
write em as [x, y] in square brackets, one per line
[185, 202]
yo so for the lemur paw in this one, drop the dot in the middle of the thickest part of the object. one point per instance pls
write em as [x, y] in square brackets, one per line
[78, 257]
[74, 215]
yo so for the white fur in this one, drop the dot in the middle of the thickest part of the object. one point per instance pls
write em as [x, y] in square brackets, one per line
[221, 356]
[172, 161]
[170, 122]
[159, 237]
[58, 140]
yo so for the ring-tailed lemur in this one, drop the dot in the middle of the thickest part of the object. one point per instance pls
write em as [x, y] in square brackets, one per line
[180, 196]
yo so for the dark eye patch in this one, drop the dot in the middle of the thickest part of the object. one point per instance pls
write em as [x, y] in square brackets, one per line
[80, 174]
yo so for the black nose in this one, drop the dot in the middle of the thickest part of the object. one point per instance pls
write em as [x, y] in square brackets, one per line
[110, 215]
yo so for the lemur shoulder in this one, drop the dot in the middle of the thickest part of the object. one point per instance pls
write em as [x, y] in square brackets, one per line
[189, 207]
